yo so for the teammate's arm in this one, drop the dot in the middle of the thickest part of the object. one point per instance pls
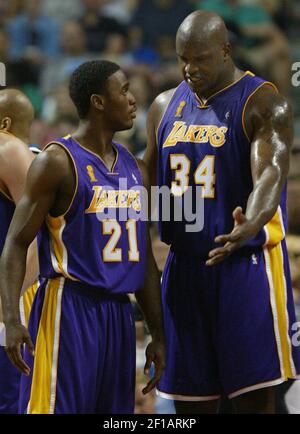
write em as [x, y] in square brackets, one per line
[155, 115]
[149, 299]
[46, 175]
[268, 122]
[15, 160]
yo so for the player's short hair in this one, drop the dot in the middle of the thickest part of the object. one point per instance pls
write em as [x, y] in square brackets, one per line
[87, 79]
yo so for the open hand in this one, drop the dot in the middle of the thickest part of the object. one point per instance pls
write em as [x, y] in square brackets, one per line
[242, 232]
[155, 353]
[17, 334]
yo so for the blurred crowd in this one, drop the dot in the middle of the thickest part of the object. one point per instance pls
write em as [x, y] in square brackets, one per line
[43, 41]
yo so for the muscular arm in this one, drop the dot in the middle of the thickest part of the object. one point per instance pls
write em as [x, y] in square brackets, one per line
[155, 115]
[268, 122]
[46, 175]
[15, 160]
[149, 299]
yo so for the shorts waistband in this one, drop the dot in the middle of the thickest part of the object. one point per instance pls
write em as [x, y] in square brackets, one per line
[87, 290]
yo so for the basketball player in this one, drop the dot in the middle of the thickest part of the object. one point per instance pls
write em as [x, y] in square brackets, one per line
[81, 322]
[16, 115]
[227, 296]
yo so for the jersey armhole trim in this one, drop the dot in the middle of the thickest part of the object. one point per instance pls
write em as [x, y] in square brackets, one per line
[76, 174]
[164, 113]
[6, 196]
[265, 83]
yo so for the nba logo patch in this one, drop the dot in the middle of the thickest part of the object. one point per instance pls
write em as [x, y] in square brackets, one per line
[254, 259]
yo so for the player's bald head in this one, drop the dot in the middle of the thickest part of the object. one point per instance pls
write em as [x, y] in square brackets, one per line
[204, 51]
[202, 27]
[15, 109]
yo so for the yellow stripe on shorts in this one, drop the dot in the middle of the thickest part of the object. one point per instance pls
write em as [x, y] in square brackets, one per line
[43, 387]
[278, 294]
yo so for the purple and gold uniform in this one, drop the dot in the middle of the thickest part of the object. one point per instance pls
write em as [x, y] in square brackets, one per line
[228, 327]
[81, 321]
[9, 375]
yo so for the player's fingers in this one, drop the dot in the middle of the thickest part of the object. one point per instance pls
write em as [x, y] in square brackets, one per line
[151, 384]
[148, 363]
[220, 251]
[216, 259]
[30, 345]
[15, 356]
[237, 212]
[222, 238]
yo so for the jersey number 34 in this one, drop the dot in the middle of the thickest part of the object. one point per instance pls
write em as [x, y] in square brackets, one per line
[204, 175]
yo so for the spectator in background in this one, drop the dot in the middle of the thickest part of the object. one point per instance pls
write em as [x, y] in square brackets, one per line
[98, 27]
[4, 46]
[261, 44]
[62, 10]
[8, 9]
[73, 53]
[141, 88]
[119, 9]
[157, 19]
[116, 50]
[58, 104]
[33, 35]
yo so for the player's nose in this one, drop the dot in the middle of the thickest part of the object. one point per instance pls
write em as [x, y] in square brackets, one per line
[132, 100]
[190, 68]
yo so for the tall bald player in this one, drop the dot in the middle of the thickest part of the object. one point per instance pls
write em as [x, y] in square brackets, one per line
[227, 296]
[16, 115]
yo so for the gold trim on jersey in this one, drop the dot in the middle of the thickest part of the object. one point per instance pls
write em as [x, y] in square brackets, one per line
[44, 376]
[58, 250]
[203, 103]
[26, 302]
[110, 172]
[75, 168]
[274, 229]
[266, 83]
[274, 263]
[6, 196]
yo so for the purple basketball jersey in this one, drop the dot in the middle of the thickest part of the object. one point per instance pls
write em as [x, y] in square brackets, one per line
[101, 239]
[207, 145]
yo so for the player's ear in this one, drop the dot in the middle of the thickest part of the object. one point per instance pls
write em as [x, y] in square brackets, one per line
[97, 101]
[5, 124]
[227, 51]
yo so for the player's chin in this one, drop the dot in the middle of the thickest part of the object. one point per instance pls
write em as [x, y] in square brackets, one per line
[127, 125]
[197, 86]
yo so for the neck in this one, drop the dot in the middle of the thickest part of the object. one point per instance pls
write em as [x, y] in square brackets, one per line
[230, 75]
[19, 134]
[94, 137]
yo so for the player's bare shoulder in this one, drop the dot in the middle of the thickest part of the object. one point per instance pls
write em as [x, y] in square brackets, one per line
[159, 106]
[11, 146]
[268, 109]
[53, 165]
